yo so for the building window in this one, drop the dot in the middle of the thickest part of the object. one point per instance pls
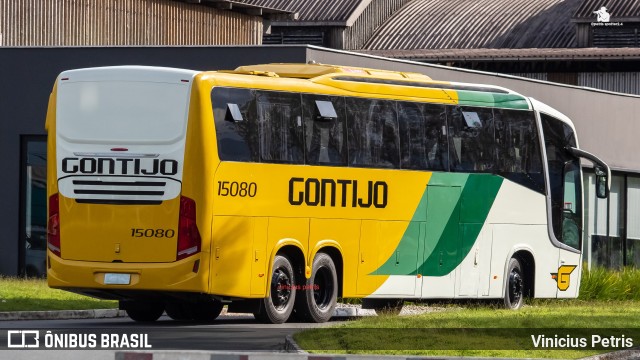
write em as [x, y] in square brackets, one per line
[33, 231]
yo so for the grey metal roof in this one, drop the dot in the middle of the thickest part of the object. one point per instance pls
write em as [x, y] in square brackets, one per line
[334, 12]
[469, 24]
[245, 7]
[444, 55]
[620, 10]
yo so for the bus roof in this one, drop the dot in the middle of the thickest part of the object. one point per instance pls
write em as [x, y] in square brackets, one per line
[345, 77]
[308, 71]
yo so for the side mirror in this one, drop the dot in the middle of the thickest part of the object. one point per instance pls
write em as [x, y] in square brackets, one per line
[603, 172]
[602, 183]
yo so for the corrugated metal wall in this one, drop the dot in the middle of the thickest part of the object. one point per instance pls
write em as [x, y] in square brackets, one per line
[624, 82]
[371, 18]
[122, 22]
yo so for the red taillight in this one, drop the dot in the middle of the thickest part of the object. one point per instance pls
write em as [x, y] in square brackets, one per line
[53, 225]
[189, 241]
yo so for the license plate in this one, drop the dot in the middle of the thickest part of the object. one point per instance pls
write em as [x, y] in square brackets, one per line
[117, 279]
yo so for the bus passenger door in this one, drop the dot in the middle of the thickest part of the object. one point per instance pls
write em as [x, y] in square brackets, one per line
[441, 242]
[570, 262]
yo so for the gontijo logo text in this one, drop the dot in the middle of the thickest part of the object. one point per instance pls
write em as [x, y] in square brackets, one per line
[119, 166]
[32, 339]
[338, 192]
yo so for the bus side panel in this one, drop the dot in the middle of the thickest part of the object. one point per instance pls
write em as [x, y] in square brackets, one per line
[200, 163]
[232, 255]
[242, 254]
[519, 221]
[509, 238]
[388, 256]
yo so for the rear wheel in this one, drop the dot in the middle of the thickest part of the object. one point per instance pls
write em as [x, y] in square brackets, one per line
[144, 311]
[514, 293]
[316, 302]
[278, 305]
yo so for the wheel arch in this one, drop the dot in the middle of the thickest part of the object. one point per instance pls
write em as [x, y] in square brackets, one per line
[334, 251]
[528, 264]
[293, 250]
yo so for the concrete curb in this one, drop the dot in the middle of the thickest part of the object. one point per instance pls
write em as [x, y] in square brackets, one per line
[616, 355]
[196, 355]
[291, 346]
[61, 314]
[113, 313]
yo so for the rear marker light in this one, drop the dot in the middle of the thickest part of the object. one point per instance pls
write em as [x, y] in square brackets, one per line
[189, 241]
[53, 225]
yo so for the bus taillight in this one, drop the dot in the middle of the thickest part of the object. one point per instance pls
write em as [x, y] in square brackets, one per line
[53, 225]
[189, 241]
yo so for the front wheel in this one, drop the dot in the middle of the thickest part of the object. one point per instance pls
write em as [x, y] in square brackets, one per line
[317, 300]
[514, 293]
[278, 305]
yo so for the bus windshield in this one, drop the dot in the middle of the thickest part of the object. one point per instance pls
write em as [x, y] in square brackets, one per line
[564, 181]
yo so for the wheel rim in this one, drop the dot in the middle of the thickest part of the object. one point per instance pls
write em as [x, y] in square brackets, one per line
[515, 288]
[323, 288]
[281, 288]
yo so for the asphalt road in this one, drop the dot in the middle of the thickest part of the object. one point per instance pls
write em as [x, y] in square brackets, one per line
[227, 333]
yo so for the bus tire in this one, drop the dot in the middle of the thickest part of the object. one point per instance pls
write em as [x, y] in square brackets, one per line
[179, 311]
[207, 310]
[514, 293]
[316, 302]
[144, 311]
[278, 305]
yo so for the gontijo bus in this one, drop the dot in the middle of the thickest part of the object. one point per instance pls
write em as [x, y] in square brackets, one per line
[278, 188]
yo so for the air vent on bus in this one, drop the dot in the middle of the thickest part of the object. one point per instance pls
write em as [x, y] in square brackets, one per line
[118, 190]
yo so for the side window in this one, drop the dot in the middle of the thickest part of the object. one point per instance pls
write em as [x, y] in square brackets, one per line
[471, 139]
[279, 121]
[518, 148]
[324, 129]
[423, 138]
[236, 131]
[373, 133]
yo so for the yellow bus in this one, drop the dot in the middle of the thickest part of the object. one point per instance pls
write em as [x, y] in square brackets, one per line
[277, 189]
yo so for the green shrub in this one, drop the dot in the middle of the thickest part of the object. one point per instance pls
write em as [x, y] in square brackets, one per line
[608, 284]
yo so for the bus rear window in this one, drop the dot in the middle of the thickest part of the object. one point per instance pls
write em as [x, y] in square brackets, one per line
[122, 112]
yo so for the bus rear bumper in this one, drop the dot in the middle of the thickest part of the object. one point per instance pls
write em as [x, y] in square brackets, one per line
[187, 275]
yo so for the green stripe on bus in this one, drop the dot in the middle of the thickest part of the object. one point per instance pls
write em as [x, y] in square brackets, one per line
[507, 101]
[445, 226]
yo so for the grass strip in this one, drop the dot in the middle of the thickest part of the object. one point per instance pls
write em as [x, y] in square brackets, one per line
[19, 294]
[481, 330]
